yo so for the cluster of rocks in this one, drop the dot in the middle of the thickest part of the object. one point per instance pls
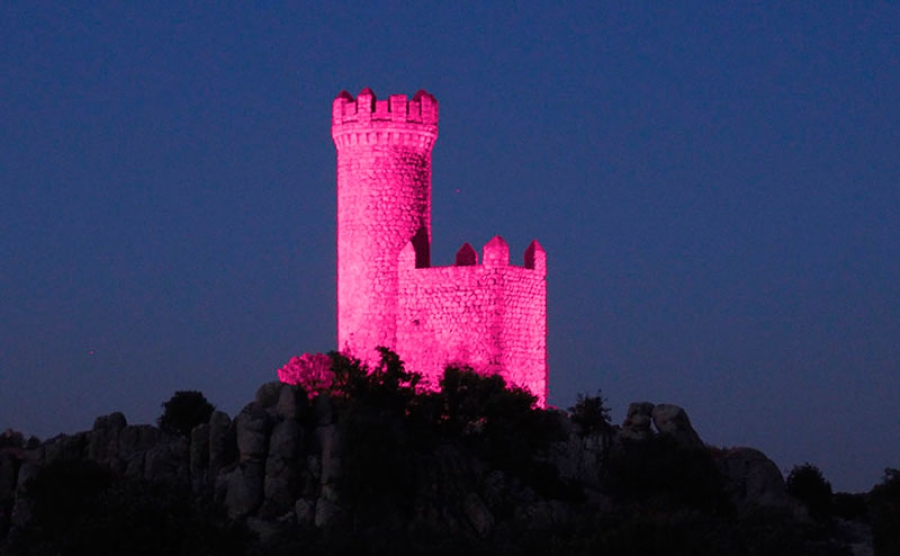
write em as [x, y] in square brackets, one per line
[265, 464]
[752, 479]
[279, 462]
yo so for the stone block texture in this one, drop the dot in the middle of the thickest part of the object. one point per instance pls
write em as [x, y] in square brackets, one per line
[491, 316]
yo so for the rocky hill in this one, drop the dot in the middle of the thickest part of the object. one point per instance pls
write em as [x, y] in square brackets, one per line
[386, 470]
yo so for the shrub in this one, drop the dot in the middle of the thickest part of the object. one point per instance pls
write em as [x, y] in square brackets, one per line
[387, 425]
[11, 439]
[502, 424]
[806, 484]
[590, 413]
[185, 410]
[885, 511]
[378, 421]
[311, 371]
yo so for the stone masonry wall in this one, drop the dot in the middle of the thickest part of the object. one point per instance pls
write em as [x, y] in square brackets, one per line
[491, 317]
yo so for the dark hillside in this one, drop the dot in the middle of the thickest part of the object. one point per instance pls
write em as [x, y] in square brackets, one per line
[369, 464]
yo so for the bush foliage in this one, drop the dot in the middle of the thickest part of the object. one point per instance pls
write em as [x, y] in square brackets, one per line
[591, 414]
[185, 410]
[807, 484]
[884, 508]
[389, 423]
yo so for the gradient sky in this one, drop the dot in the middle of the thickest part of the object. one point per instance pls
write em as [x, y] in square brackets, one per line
[717, 186]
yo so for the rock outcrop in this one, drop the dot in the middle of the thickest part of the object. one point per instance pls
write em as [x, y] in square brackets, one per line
[673, 421]
[752, 479]
[280, 462]
[637, 421]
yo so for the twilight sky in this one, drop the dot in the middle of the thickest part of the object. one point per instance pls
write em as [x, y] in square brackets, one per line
[717, 188]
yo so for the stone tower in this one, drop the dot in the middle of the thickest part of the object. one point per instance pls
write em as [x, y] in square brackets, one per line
[490, 315]
[383, 203]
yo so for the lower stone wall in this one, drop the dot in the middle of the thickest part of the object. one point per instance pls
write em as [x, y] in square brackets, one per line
[493, 319]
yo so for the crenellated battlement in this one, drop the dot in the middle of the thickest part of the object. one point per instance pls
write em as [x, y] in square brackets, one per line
[495, 254]
[397, 120]
[536, 257]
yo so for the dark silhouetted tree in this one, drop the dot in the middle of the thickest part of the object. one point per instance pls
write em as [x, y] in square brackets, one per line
[185, 410]
[884, 508]
[807, 484]
[373, 405]
[499, 422]
[590, 413]
[11, 439]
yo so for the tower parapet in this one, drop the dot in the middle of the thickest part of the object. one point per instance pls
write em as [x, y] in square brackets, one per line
[367, 120]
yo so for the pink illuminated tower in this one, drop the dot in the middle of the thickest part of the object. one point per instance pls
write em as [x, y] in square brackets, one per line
[491, 316]
[384, 202]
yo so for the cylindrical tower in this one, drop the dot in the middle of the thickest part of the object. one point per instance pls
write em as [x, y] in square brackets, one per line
[383, 203]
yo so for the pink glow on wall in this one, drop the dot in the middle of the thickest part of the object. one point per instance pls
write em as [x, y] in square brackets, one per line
[491, 316]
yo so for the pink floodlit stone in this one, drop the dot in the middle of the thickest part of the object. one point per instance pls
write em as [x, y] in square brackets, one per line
[496, 252]
[466, 256]
[311, 371]
[491, 316]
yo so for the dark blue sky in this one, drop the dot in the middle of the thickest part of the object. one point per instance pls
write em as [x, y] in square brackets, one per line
[717, 188]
